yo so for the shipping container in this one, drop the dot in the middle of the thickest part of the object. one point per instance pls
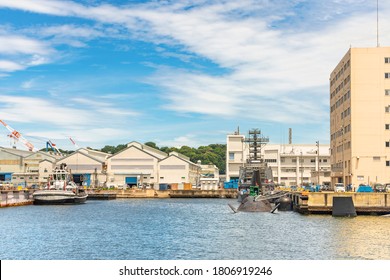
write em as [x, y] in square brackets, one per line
[187, 186]
[163, 187]
[175, 186]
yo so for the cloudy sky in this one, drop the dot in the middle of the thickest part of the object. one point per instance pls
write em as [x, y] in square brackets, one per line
[175, 72]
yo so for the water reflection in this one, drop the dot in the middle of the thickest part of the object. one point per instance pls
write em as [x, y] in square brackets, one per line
[185, 229]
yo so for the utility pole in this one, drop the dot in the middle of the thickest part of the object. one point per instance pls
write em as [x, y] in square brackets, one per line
[301, 169]
[318, 162]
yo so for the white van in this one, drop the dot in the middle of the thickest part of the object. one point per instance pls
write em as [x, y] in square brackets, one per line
[339, 187]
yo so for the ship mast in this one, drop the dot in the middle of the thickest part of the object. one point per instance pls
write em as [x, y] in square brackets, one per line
[256, 142]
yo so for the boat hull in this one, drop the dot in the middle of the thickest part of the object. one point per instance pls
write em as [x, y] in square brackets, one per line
[58, 197]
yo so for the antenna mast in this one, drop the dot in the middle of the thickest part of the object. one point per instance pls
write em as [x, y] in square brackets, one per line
[377, 23]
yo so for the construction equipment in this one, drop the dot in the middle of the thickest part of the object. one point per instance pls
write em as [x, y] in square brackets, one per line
[16, 135]
[52, 146]
[73, 142]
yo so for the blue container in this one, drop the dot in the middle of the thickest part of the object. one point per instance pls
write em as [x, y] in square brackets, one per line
[163, 187]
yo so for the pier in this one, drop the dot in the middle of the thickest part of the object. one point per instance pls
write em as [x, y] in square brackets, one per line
[322, 202]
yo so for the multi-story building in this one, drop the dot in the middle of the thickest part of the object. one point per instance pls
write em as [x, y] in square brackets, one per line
[291, 164]
[360, 117]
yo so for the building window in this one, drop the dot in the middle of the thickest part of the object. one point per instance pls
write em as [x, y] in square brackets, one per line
[270, 160]
[387, 75]
[387, 91]
[231, 156]
[387, 59]
[387, 144]
[387, 162]
[387, 109]
[387, 126]
[376, 158]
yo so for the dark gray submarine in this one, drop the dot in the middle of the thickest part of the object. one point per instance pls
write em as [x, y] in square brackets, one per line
[261, 197]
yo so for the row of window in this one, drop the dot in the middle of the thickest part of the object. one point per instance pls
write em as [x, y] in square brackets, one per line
[346, 113]
[340, 132]
[339, 166]
[340, 148]
[340, 101]
[340, 86]
[341, 71]
[387, 59]
[22, 178]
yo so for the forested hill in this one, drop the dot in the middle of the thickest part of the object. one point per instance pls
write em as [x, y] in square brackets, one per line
[211, 154]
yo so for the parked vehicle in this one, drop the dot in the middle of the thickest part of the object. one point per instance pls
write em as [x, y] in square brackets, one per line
[379, 188]
[339, 187]
[364, 188]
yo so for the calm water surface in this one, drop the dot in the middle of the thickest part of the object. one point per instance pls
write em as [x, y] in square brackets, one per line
[158, 229]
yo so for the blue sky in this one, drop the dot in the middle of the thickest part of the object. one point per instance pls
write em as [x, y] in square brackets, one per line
[175, 72]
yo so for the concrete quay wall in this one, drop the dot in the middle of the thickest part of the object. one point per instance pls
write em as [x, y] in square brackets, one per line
[322, 202]
[151, 193]
[15, 198]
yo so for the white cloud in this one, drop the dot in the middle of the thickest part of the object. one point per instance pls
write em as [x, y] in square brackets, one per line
[273, 58]
[22, 52]
[10, 66]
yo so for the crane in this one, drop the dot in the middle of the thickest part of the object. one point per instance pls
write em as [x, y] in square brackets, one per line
[16, 135]
[73, 142]
[53, 147]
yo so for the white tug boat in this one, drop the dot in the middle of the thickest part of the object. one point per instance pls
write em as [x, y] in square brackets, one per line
[60, 190]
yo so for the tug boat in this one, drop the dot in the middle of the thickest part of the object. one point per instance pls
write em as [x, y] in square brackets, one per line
[60, 190]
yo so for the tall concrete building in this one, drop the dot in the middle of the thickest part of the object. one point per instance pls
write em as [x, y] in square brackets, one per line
[360, 117]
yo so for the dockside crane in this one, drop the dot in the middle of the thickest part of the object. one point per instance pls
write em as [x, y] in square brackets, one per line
[73, 142]
[53, 147]
[18, 136]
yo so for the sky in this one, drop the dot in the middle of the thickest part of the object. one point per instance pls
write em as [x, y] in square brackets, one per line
[175, 72]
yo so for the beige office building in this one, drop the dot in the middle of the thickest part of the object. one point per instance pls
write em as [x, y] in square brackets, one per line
[360, 117]
[291, 164]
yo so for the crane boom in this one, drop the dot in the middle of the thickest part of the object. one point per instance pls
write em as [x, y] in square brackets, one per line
[16, 134]
[73, 142]
[53, 146]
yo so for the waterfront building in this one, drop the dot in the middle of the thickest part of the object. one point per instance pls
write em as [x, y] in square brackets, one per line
[291, 164]
[236, 155]
[178, 169]
[136, 165]
[87, 167]
[22, 167]
[360, 117]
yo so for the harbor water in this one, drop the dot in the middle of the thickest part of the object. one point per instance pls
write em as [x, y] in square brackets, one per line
[187, 229]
